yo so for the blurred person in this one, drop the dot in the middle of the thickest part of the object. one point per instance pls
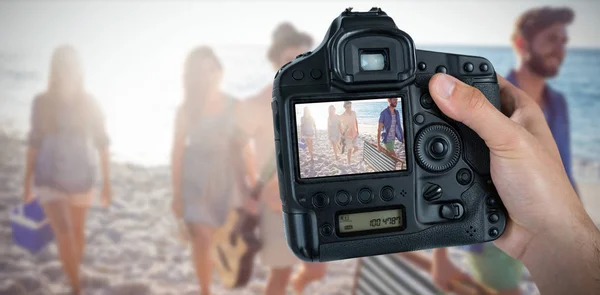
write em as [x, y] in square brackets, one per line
[67, 125]
[390, 126]
[334, 130]
[205, 157]
[350, 129]
[308, 131]
[548, 229]
[287, 43]
[539, 40]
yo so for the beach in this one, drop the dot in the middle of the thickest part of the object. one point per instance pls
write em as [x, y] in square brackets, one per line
[325, 163]
[133, 247]
[587, 178]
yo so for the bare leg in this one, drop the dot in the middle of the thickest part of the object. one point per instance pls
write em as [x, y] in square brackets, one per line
[59, 215]
[309, 142]
[278, 281]
[78, 214]
[335, 149]
[351, 150]
[309, 272]
[201, 236]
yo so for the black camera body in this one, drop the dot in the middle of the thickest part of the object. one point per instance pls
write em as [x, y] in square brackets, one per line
[430, 188]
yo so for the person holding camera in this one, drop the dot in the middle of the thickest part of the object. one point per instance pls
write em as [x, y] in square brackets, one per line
[539, 41]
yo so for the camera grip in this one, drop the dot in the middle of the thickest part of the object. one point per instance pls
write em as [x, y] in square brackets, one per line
[299, 235]
[491, 91]
[476, 152]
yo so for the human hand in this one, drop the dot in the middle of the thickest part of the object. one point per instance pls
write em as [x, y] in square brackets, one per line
[525, 163]
[27, 195]
[251, 206]
[545, 216]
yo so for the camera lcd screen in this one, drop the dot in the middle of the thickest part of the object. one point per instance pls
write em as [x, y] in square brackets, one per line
[367, 221]
[341, 138]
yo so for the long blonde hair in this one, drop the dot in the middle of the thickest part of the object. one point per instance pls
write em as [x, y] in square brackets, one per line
[65, 64]
[65, 75]
[195, 93]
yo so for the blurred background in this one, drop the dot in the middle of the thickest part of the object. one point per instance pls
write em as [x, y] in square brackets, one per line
[133, 54]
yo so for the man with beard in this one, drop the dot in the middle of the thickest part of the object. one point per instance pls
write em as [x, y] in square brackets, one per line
[539, 40]
[390, 124]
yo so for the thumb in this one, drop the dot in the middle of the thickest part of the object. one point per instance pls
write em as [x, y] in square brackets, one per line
[469, 106]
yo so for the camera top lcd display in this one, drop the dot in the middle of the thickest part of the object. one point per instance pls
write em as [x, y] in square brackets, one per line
[350, 137]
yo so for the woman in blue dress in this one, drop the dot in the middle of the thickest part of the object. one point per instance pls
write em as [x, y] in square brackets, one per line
[207, 157]
[308, 130]
[66, 139]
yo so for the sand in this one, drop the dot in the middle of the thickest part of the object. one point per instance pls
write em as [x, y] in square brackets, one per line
[325, 163]
[133, 246]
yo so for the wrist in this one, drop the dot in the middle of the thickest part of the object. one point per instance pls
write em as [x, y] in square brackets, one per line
[568, 249]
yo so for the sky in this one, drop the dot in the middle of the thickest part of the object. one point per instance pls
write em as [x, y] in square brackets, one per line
[133, 51]
[29, 24]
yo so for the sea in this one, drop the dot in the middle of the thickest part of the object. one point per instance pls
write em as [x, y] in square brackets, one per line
[140, 97]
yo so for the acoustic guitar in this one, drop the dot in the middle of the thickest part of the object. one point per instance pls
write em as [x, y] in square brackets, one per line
[234, 246]
[235, 243]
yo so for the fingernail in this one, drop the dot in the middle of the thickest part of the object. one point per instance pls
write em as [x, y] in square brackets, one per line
[445, 85]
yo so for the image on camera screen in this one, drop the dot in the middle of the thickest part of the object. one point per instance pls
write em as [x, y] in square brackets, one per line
[340, 138]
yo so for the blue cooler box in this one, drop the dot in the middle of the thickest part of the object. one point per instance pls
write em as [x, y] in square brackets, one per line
[302, 143]
[30, 228]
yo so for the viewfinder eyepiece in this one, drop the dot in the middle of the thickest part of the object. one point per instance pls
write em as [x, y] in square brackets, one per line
[374, 60]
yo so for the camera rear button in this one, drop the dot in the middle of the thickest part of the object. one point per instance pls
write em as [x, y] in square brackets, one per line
[342, 198]
[441, 69]
[493, 232]
[426, 101]
[320, 200]
[493, 218]
[483, 67]
[422, 66]
[419, 119]
[492, 201]
[468, 67]
[298, 75]
[432, 192]
[463, 176]
[365, 196]
[387, 193]
[326, 229]
[316, 74]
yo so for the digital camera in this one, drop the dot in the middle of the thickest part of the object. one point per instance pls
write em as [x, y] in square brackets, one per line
[367, 164]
